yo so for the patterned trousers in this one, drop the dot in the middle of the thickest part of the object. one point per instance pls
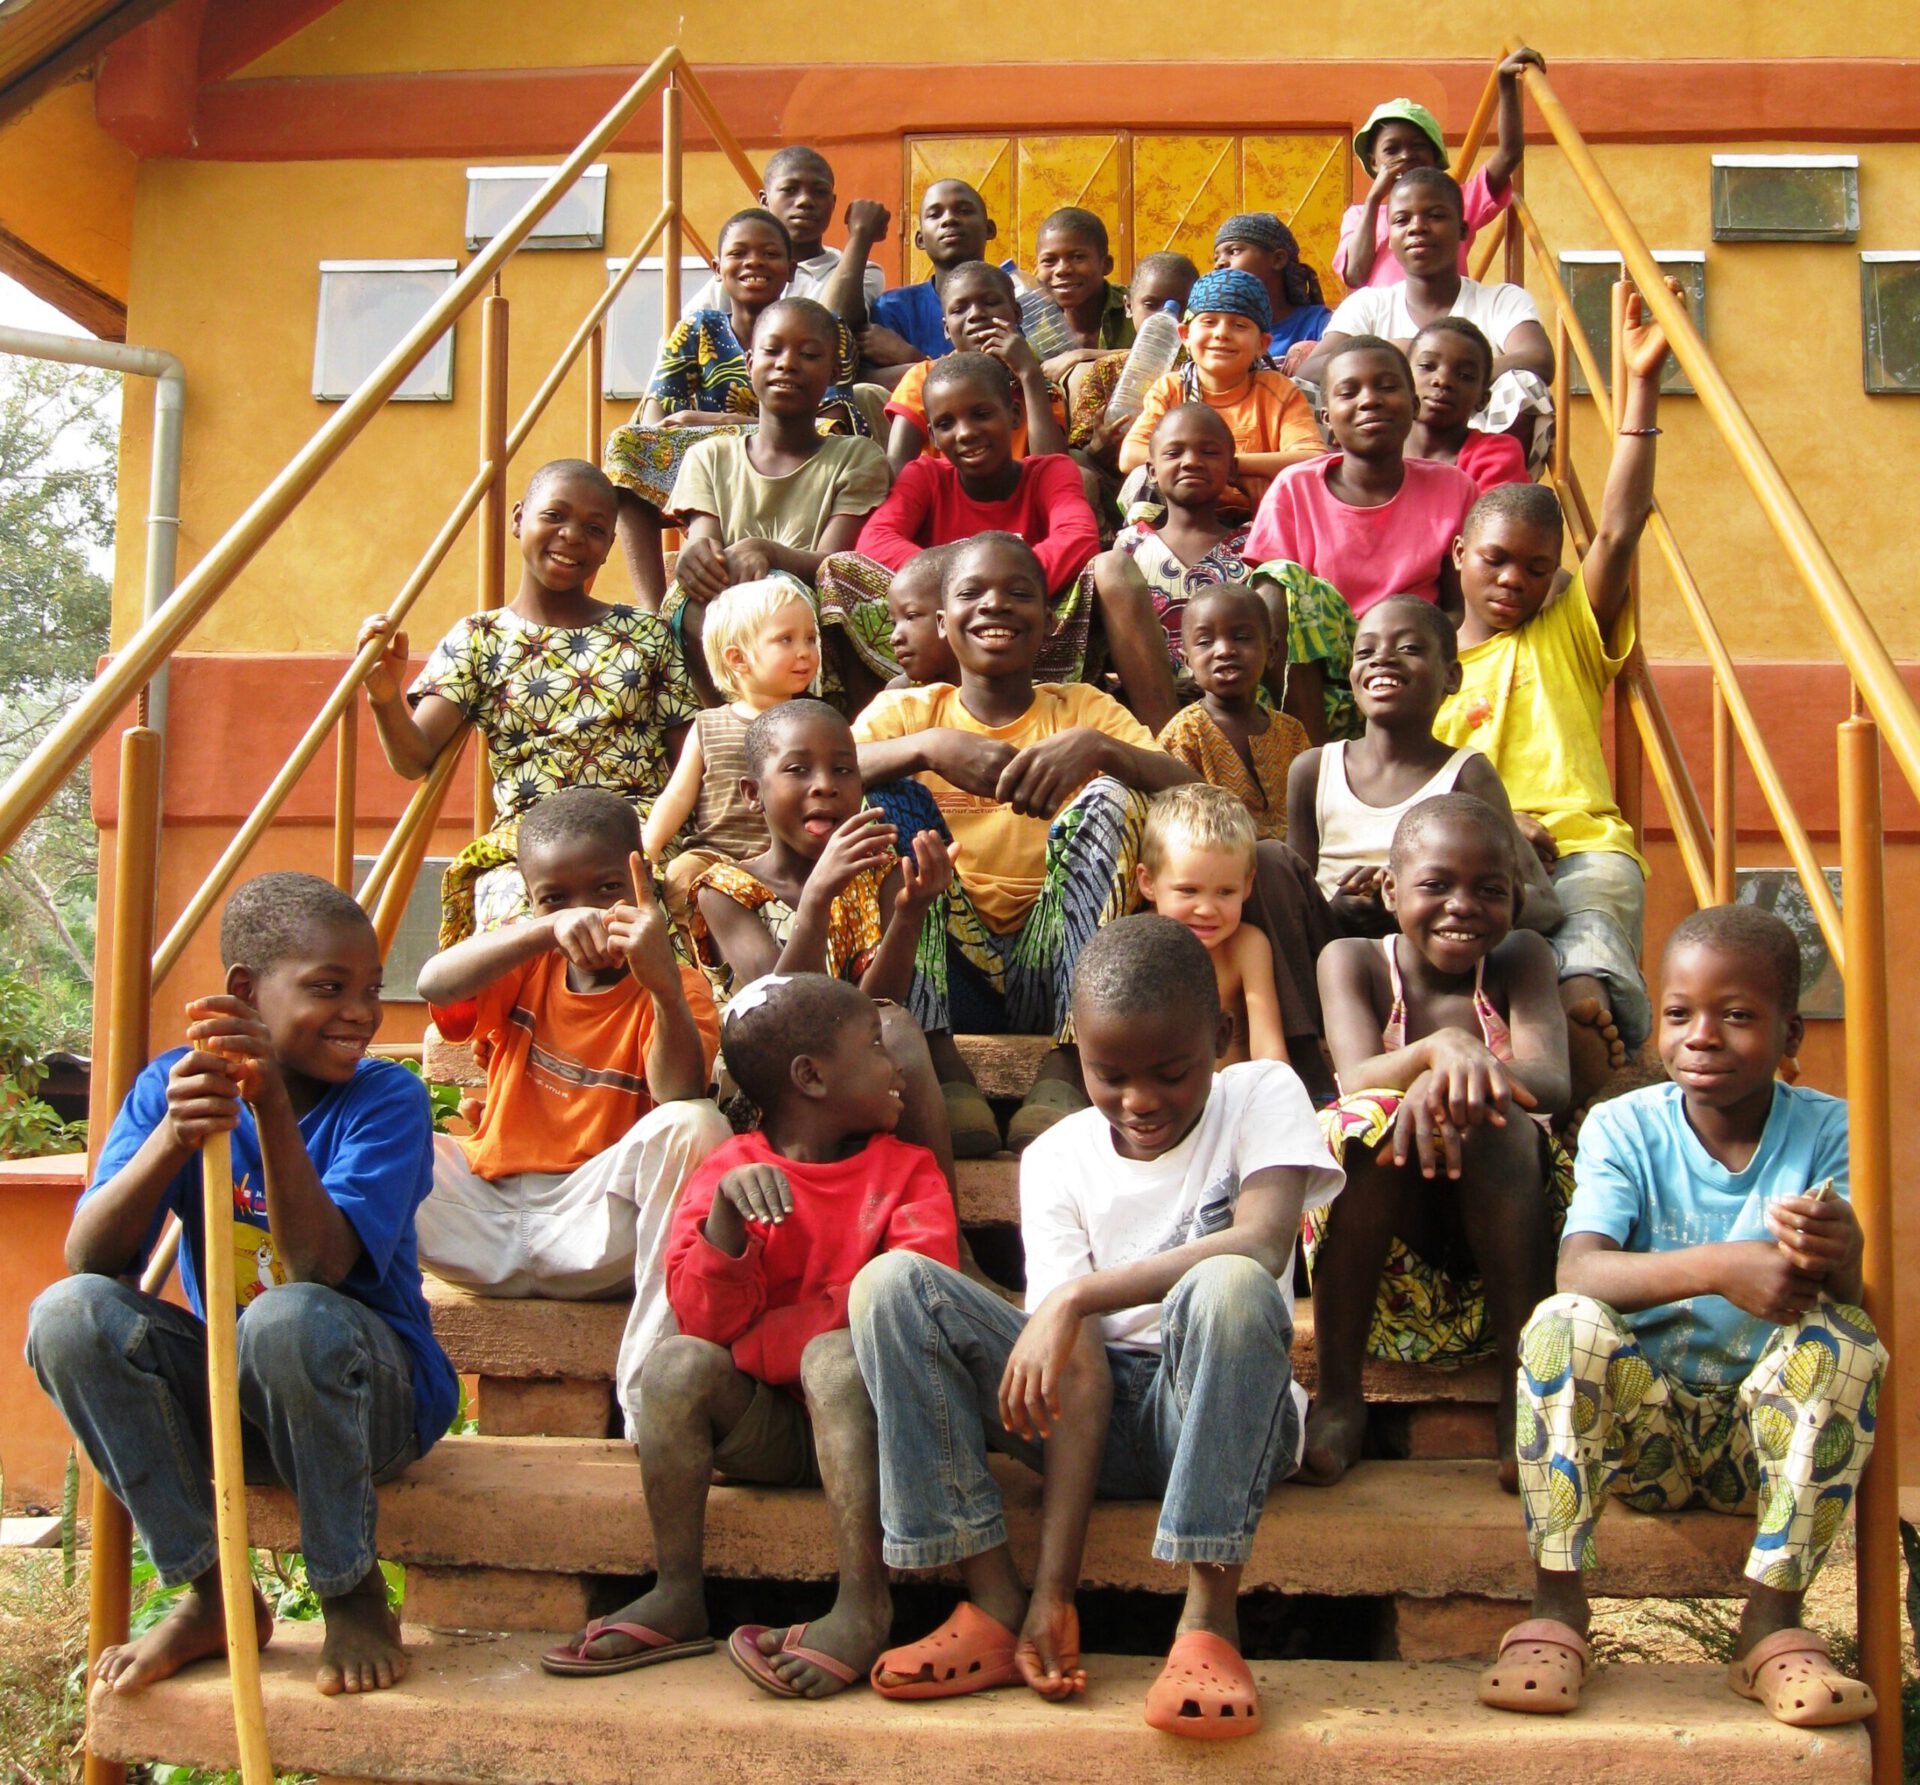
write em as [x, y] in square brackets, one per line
[1596, 1418]
[969, 978]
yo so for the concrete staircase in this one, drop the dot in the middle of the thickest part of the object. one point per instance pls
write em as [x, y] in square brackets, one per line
[1416, 1562]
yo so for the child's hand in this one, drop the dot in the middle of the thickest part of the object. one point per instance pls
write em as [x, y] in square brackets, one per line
[1044, 776]
[1356, 900]
[870, 218]
[1816, 1235]
[1644, 340]
[638, 934]
[1759, 1278]
[581, 935]
[973, 764]
[757, 1193]
[1011, 348]
[1521, 58]
[1105, 435]
[1542, 841]
[864, 841]
[1030, 1385]
[203, 1099]
[701, 570]
[231, 1028]
[924, 875]
[1048, 1652]
[747, 561]
[1297, 356]
[385, 678]
[880, 346]
[1383, 181]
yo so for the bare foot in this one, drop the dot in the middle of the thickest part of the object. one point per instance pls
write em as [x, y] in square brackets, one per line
[361, 1651]
[1336, 1430]
[192, 1631]
[678, 1616]
[851, 1635]
[1595, 1051]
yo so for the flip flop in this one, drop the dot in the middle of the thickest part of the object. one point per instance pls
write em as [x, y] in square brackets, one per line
[1542, 1666]
[572, 1657]
[1205, 1692]
[1791, 1673]
[743, 1650]
[1051, 1100]
[970, 1121]
[970, 1652]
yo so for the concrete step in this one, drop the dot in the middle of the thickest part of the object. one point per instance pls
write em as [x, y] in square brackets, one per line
[572, 1506]
[490, 1338]
[1004, 1065]
[482, 1713]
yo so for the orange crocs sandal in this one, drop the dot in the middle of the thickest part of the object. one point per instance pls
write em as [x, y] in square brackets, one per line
[970, 1652]
[1205, 1692]
[1543, 1664]
[1791, 1673]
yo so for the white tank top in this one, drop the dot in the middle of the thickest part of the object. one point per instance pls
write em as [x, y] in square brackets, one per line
[1354, 834]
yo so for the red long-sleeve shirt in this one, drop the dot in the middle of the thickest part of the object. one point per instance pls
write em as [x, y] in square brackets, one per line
[1048, 509]
[790, 1283]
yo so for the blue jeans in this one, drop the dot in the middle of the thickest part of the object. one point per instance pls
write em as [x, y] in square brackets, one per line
[1604, 896]
[1204, 1425]
[326, 1394]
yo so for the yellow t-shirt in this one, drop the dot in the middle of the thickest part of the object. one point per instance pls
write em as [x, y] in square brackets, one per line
[1003, 855]
[1530, 699]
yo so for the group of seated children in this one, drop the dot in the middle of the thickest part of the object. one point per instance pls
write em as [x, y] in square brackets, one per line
[1284, 818]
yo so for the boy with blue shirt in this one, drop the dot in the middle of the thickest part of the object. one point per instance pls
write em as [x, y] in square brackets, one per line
[1706, 1347]
[341, 1381]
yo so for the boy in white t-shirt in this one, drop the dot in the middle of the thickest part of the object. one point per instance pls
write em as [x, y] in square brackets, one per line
[1152, 1361]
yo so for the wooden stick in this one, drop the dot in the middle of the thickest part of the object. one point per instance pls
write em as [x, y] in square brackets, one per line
[229, 1479]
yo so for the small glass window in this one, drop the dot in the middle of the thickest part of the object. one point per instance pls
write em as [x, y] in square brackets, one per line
[633, 323]
[1823, 991]
[417, 940]
[366, 309]
[1786, 198]
[1590, 279]
[577, 220]
[1890, 322]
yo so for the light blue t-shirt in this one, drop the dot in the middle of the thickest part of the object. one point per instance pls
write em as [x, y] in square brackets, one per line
[1643, 1179]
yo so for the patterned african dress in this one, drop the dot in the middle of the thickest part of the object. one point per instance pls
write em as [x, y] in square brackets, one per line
[559, 706]
[854, 925]
[1424, 1312]
[1193, 736]
[1320, 629]
[1172, 583]
[703, 366]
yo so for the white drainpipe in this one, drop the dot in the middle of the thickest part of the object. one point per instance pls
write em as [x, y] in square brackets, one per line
[163, 500]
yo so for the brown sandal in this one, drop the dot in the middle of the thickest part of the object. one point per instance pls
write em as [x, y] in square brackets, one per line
[1791, 1673]
[1542, 1666]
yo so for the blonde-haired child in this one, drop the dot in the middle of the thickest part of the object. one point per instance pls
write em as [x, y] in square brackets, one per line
[762, 644]
[1197, 857]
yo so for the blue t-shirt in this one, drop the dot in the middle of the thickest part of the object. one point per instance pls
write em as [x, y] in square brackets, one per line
[1643, 1179]
[371, 1142]
[914, 311]
[1308, 322]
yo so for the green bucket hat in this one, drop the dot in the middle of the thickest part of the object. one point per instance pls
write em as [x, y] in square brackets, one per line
[1406, 110]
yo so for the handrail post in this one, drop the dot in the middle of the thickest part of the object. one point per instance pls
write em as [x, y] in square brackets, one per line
[671, 99]
[136, 879]
[1726, 879]
[1877, 1568]
[492, 521]
[346, 773]
[596, 377]
[1629, 751]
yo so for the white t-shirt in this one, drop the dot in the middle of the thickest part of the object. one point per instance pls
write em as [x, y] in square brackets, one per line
[809, 277]
[1083, 1208]
[1496, 310]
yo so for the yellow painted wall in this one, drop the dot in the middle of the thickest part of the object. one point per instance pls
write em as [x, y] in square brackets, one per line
[1784, 320]
[51, 156]
[375, 36]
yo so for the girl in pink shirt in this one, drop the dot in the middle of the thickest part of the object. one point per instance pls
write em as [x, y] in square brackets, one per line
[1368, 519]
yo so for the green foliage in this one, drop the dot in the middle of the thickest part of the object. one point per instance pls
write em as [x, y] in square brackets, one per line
[59, 429]
[444, 1098]
[29, 1128]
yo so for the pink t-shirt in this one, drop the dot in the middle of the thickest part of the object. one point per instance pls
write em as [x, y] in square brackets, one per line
[1366, 553]
[1479, 206]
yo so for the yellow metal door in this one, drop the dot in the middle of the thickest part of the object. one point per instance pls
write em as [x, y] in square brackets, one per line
[1094, 172]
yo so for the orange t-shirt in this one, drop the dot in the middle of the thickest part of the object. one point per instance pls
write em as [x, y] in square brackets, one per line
[567, 1070]
[1271, 416]
[908, 401]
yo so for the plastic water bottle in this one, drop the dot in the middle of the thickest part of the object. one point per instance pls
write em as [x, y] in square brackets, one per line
[1045, 325]
[1154, 350]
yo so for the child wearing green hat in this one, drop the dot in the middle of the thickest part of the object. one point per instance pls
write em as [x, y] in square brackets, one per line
[1400, 135]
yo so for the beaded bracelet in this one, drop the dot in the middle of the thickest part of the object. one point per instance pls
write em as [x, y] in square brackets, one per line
[1638, 433]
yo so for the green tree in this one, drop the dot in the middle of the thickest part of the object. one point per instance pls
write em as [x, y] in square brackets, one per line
[59, 429]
